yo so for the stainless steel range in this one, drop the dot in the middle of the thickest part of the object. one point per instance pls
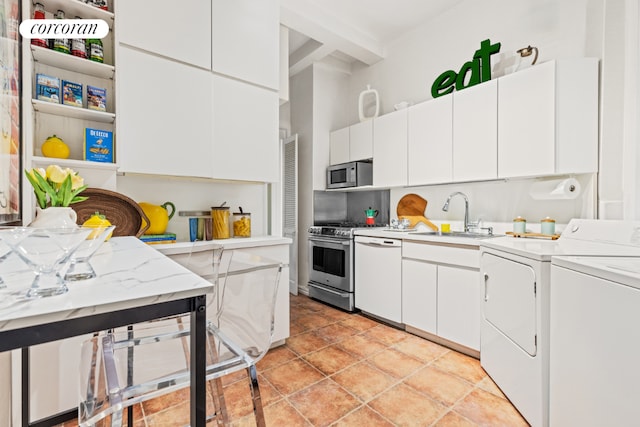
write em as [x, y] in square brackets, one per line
[331, 252]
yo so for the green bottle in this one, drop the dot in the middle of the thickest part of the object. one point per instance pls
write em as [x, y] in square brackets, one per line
[94, 50]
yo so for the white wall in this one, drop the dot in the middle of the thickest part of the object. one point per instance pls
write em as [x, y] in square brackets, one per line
[498, 202]
[413, 61]
[560, 29]
[301, 110]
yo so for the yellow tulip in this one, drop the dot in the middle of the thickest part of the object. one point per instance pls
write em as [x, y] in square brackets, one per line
[76, 181]
[39, 171]
[56, 174]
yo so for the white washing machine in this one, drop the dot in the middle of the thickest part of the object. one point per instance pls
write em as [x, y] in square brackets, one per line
[514, 347]
[595, 342]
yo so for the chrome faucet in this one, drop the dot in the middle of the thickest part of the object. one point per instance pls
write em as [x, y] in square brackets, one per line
[466, 208]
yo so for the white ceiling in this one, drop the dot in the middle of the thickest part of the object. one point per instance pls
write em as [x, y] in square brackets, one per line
[351, 30]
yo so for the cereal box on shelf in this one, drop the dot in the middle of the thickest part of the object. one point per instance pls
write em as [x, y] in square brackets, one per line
[47, 88]
[96, 98]
[71, 93]
[98, 145]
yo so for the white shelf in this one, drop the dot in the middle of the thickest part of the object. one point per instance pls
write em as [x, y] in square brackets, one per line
[78, 8]
[74, 112]
[73, 164]
[72, 63]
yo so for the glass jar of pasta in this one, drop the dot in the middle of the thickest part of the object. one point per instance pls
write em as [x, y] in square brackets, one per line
[241, 224]
[220, 216]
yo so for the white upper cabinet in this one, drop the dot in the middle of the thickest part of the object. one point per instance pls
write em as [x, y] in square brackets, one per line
[166, 132]
[245, 131]
[475, 132]
[180, 31]
[339, 146]
[390, 149]
[246, 40]
[351, 143]
[361, 140]
[429, 142]
[548, 119]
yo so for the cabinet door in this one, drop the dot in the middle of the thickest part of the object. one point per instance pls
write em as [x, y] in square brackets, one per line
[245, 131]
[429, 142]
[510, 300]
[390, 149]
[339, 146]
[246, 40]
[475, 132]
[180, 31]
[419, 291]
[164, 121]
[361, 141]
[459, 305]
[526, 122]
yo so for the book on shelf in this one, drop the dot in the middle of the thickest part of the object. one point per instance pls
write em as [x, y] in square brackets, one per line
[159, 242]
[47, 88]
[98, 145]
[156, 238]
[96, 98]
[71, 93]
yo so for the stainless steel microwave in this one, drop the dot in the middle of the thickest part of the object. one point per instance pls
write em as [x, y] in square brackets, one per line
[352, 174]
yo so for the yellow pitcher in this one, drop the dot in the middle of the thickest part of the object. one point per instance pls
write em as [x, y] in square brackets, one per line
[159, 216]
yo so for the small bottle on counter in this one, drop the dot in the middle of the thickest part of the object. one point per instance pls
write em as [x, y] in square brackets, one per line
[241, 224]
[220, 216]
[519, 225]
[548, 226]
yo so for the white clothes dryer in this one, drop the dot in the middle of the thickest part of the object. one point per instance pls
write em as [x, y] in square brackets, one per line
[594, 377]
[514, 346]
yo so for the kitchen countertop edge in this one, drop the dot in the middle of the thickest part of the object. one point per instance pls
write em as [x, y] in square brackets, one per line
[233, 243]
[412, 236]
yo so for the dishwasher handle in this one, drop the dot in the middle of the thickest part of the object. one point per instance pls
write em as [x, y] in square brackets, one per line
[378, 242]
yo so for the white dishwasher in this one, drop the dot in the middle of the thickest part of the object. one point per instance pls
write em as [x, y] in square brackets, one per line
[378, 277]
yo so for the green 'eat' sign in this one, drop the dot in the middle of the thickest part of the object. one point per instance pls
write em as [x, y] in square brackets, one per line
[479, 67]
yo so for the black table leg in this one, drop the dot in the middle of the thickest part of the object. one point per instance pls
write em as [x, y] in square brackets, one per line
[198, 362]
[25, 387]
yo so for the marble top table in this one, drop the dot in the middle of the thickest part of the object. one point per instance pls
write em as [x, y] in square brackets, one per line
[134, 283]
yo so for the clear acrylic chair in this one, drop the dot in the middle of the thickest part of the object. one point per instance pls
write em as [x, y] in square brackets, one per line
[126, 367]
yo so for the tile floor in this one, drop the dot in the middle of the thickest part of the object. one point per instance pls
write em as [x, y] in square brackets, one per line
[340, 369]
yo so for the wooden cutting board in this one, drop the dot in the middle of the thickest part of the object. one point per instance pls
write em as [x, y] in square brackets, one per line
[412, 207]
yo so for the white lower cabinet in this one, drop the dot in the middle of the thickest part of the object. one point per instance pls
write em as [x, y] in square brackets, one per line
[420, 295]
[278, 253]
[459, 305]
[441, 291]
[378, 277]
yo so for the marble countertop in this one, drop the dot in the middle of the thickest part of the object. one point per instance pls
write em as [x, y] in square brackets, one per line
[413, 235]
[233, 243]
[130, 274]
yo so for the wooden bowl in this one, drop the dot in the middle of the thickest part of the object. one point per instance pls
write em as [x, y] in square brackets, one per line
[119, 209]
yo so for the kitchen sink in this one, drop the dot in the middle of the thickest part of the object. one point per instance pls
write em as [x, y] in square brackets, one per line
[468, 235]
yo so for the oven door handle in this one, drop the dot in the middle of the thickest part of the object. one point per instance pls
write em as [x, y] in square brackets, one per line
[340, 294]
[333, 242]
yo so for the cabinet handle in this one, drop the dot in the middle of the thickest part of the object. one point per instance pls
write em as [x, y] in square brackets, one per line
[486, 295]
